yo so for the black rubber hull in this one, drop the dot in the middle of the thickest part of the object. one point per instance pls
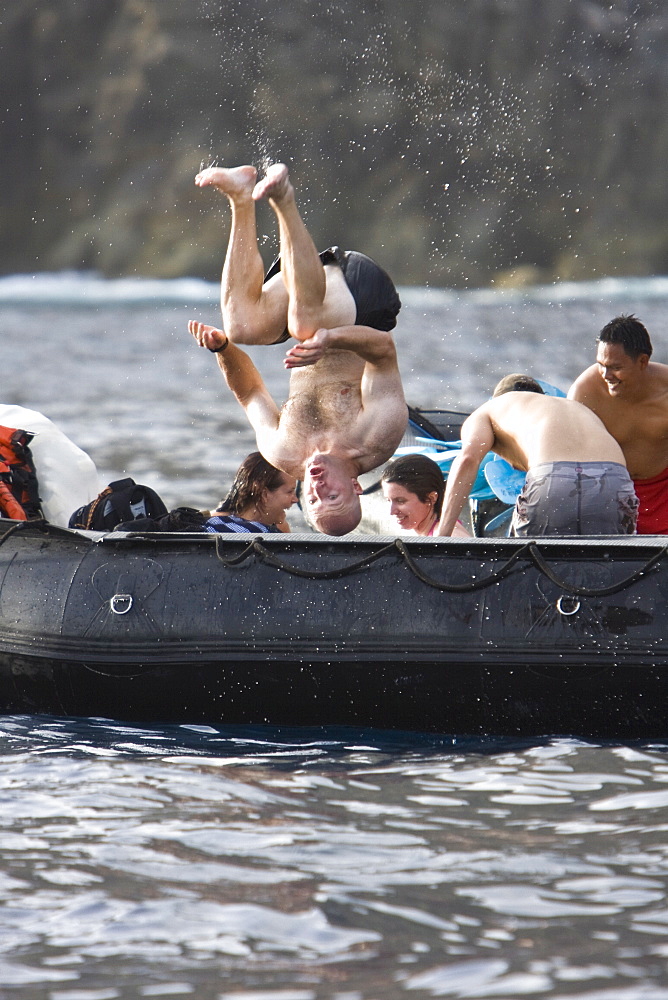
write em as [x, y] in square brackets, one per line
[480, 637]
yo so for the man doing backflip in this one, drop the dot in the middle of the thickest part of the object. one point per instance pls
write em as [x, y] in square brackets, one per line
[346, 412]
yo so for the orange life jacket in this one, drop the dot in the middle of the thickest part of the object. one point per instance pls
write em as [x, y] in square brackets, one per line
[19, 491]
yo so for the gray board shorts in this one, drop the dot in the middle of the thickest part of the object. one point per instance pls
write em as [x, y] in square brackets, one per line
[376, 299]
[576, 498]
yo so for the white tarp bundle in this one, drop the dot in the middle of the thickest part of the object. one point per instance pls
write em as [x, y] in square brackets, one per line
[67, 476]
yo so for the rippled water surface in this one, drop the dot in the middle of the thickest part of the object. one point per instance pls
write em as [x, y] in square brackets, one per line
[293, 865]
[251, 864]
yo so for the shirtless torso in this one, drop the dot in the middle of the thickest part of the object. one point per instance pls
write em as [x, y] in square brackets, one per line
[344, 416]
[325, 413]
[634, 412]
[529, 430]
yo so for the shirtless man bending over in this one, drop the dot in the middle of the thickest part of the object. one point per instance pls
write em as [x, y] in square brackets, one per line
[630, 395]
[577, 482]
[346, 412]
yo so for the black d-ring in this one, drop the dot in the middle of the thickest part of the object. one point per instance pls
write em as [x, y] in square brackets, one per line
[575, 601]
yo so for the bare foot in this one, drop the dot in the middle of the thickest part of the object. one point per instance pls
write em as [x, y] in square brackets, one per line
[232, 181]
[275, 184]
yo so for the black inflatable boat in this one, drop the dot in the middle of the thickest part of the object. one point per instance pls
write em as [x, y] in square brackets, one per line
[469, 636]
[480, 636]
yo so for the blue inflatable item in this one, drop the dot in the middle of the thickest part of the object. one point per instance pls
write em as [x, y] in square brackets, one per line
[550, 390]
[501, 520]
[504, 481]
[444, 459]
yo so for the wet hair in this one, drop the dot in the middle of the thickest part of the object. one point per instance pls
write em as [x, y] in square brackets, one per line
[630, 333]
[253, 476]
[418, 474]
[517, 383]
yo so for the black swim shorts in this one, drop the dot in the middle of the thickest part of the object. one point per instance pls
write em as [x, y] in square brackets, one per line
[376, 299]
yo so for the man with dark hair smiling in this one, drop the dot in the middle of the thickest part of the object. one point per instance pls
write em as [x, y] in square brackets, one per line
[576, 483]
[630, 395]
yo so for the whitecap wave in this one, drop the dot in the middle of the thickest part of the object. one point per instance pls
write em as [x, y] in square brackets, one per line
[76, 288]
[89, 288]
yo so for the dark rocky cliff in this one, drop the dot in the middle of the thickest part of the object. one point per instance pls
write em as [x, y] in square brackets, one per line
[459, 143]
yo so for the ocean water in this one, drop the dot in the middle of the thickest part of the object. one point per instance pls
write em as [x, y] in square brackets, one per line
[256, 864]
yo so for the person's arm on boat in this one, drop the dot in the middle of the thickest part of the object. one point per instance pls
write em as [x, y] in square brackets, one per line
[477, 435]
[242, 378]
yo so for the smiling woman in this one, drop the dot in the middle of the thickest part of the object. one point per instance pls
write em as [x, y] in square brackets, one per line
[414, 487]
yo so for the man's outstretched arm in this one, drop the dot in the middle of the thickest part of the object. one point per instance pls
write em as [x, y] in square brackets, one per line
[477, 440]
[381, 380]
[375, 347]
[242, 378]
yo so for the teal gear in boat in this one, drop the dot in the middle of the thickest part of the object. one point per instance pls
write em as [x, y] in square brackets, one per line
[444, 454]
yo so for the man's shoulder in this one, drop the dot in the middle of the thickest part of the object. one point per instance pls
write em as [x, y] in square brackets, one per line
[285, 447]
[659, 374]
[655, 399]
[287, 454]
[589, 388]
[516, 403]
[589, 377]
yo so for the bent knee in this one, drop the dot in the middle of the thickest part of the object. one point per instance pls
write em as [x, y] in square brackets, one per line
[248, 326]
[248, 320]
[303, 322]
[338, 308]
[303, 326]
[248, 336]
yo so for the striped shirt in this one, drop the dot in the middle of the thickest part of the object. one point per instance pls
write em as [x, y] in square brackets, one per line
[231, 523]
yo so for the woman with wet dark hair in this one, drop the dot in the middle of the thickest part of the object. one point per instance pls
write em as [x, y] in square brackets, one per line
[258, 499]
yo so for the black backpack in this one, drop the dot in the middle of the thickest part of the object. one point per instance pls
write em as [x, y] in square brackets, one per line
[123, 500]
[179, 519]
